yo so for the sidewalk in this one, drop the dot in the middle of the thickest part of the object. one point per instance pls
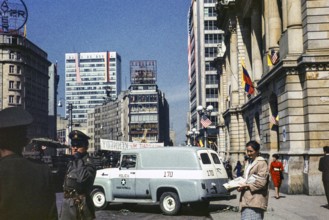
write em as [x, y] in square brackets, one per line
[290, 207]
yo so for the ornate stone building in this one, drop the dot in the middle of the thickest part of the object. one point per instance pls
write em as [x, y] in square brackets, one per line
[284, 46]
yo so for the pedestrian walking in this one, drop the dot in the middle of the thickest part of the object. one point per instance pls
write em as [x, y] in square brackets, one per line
[78, 182]
[238, 169]
[254, 192]
[25, 187]
[324, 168]
[228, 168]
[276, 169]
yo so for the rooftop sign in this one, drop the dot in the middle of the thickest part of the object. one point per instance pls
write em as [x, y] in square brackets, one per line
[13, 15]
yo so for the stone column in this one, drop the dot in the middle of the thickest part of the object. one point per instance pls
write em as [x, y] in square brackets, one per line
[234, 66]
[274, 23]
[256, 39]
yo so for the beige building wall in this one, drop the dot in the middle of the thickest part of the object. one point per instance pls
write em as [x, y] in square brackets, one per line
[295, 88]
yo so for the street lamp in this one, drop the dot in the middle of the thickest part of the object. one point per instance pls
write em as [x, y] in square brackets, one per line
[193, 133]
[204, 119]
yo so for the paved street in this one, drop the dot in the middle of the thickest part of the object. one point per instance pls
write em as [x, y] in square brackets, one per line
[288, 207]
[292, 207]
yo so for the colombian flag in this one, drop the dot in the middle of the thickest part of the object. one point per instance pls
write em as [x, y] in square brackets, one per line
[248, 87]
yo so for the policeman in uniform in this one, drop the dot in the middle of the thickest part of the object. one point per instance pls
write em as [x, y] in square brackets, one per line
[26, 191]
[78, 181]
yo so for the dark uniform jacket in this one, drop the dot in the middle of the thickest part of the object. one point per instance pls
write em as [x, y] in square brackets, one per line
[78, 184]
[324, 167]
[25, 190]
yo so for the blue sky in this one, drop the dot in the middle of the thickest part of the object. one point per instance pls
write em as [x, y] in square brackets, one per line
[136, 29]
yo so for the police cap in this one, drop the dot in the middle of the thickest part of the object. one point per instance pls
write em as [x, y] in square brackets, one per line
[14, 117]
[78, 138]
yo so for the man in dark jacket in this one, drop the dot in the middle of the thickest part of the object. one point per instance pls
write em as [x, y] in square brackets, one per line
[79, 180]
[25, 187]
[324, 168]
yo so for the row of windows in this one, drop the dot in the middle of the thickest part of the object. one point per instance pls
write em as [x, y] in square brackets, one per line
[210, 51]
[12, 99]
[210, 1]
[143, 87]
[210, 25]
[210, 12]
[212, 38]
[209, 67]
[12, 85]
[144, 118]
[211, 79]
[212, 93]
[13, 70]
[143, 98]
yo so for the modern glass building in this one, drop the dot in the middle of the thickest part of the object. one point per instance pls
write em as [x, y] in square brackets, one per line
[90, 79]
[204, 39]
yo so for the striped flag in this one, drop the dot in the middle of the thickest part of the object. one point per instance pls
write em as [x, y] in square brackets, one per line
[248, 86]
[205, 121]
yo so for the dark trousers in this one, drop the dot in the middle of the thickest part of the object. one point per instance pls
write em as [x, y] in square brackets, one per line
[326, 189]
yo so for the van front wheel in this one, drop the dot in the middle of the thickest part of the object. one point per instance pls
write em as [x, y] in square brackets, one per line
[169, 203]
[99, 199]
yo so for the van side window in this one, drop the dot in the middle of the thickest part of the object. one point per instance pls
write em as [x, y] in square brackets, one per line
[128, 161]
[215, 158]
[205, 158]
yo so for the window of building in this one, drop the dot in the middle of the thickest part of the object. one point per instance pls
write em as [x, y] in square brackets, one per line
[18, 85]
[209, 67]
[11, 99]
[210, 1]
[211, 79]
[210, 12]
[11, 84]
[210, 25]
[19, 69]
[212, 38]
[18, 99]
[11, 69]
[211, 93]
[210, 51]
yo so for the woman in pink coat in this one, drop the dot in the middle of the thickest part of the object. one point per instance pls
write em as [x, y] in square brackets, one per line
[254, 192]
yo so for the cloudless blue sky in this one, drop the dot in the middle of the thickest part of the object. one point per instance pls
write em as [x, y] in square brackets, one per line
[136, 29]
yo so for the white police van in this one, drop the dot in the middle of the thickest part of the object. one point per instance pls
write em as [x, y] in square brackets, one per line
[170, 176]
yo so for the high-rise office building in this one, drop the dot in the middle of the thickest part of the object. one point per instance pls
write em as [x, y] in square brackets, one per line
[90, 78]
[203, 40]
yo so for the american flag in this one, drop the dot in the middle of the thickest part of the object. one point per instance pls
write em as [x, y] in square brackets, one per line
[274, 56]
[205, 121]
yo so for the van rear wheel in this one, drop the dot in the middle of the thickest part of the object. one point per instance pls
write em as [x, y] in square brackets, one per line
[99, 199]
[169, 203]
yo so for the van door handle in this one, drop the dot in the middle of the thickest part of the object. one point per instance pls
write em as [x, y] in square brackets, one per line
[132, 172]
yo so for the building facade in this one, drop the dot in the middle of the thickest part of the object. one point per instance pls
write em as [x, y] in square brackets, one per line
[204, 40]
[24, 80]
[148, 107]
[110, 120]
[89, 79]
[284, 48]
